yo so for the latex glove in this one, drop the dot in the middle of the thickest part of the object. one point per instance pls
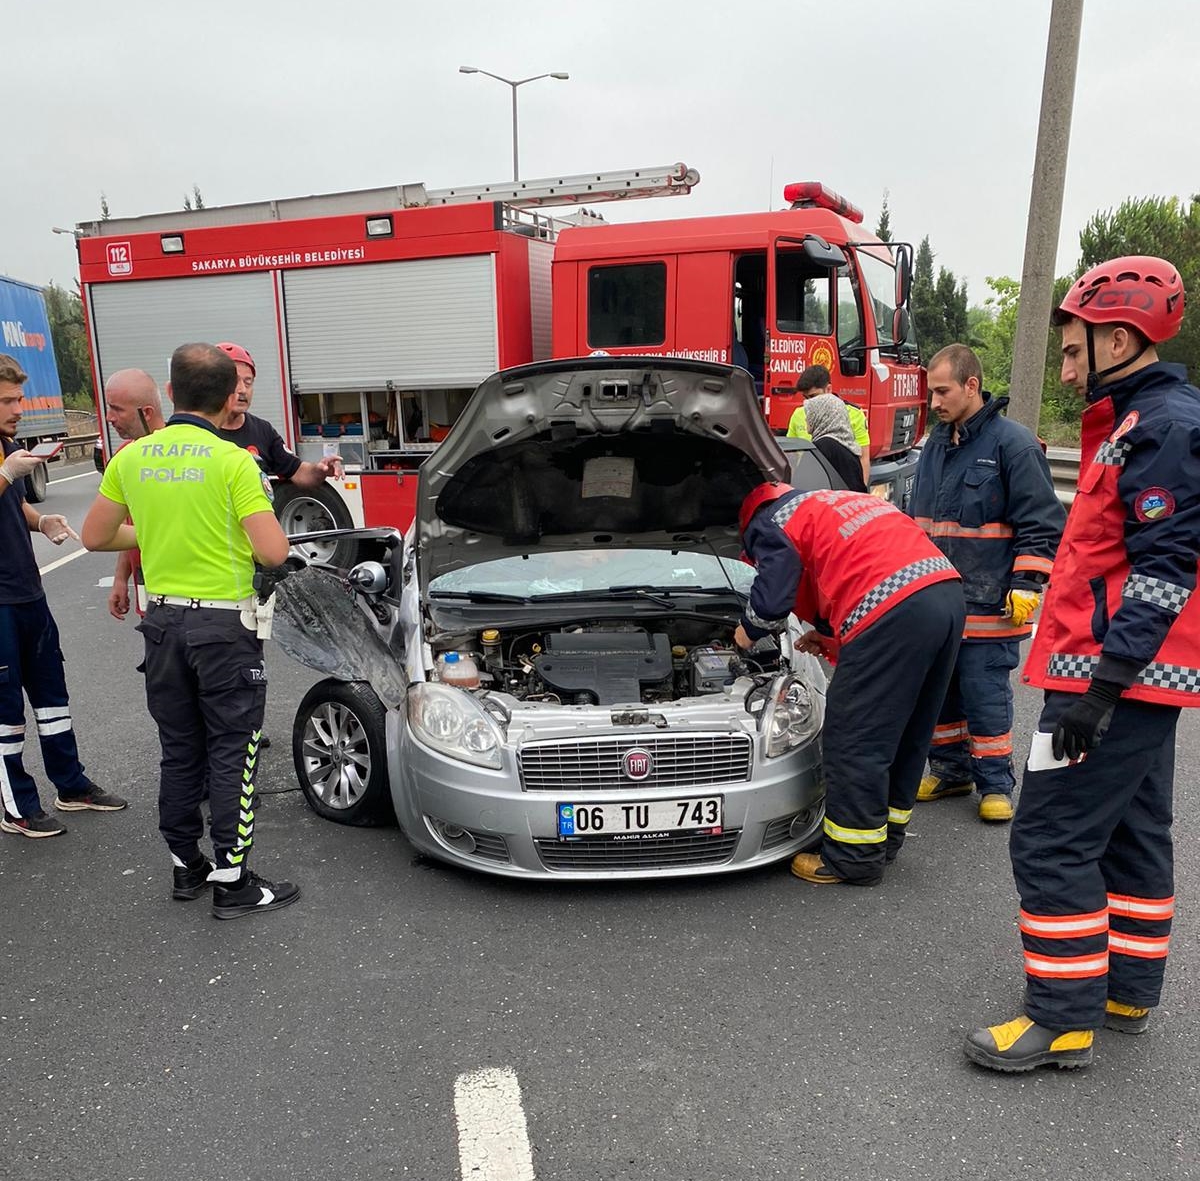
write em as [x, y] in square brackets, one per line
[816, 644]
[18, 464]
[55, 527]
[742, 640]
[118, 601]
[1020, 605]
[331, 465]
[1085, 722]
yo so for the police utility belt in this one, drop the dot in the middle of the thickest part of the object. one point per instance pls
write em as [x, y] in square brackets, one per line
[256, 616]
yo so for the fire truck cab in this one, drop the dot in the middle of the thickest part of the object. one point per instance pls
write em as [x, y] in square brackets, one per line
[772, 292]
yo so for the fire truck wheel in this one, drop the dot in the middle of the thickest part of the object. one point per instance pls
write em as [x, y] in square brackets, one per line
[35, 485]
[311, 510]
[340, 752]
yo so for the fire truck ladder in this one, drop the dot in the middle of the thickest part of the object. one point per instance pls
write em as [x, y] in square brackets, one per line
[674, 180]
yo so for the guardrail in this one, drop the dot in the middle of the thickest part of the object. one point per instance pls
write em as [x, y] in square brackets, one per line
[1064, 468]
[82, 443]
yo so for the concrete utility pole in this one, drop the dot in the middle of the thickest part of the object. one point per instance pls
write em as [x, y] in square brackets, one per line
[1045, 212]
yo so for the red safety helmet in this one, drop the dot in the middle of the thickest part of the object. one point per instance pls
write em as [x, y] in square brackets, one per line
[761, 495]
[237, 353]
[1139, 289]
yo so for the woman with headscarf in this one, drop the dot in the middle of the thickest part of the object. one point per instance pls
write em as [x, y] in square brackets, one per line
[832, 435]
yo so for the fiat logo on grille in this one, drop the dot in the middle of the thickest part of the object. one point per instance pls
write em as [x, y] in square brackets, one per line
[637, 763]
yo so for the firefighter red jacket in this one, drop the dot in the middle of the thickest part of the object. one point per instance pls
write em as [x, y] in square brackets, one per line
[836, 559]
[1120, 605]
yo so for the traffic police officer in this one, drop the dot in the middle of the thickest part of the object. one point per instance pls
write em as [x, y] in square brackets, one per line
[1118, 652]
[888, 609]
[201, 518]
[985, 496]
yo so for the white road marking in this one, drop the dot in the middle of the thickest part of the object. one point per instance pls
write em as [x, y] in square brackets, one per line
[65, 479]
[62, 561]
[493, 1141]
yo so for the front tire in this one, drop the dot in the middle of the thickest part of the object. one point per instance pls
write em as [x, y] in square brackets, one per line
[339, 746]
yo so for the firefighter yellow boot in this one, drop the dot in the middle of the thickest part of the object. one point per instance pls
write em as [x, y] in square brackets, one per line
[996, 808]
[811, 868]
[933, 787]
[1020, 1045]
[1125, 1018]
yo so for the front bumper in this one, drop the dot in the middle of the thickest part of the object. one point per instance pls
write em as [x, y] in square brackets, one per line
[509, 831]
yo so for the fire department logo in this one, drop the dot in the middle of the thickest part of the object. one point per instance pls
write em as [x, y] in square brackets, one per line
[637, 763]
[822, 354]
[1127, 424]
[1153, 504]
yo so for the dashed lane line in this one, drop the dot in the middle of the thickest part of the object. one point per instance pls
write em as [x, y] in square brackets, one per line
[493, 1140]
[62, 561]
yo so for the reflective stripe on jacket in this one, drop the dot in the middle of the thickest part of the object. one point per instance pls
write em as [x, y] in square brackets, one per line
[988, 503]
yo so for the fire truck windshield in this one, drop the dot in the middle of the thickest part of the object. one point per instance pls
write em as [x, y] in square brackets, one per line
[880, 278]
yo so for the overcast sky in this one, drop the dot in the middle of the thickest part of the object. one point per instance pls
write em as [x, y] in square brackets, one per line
[934, 101]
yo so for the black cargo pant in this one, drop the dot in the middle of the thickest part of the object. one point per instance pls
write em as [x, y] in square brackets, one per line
[883, 703]
[1092, 857]
[206, 688]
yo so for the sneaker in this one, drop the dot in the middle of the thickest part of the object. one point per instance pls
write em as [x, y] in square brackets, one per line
[39, 825]
[92, 800]
[811, 868]
[191, 880]
[933, 787]
[996, 808]
[1021, 1045]
[264, 743]
[250, 895]
[1125, 1018]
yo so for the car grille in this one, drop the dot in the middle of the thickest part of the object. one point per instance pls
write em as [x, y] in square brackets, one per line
[599, 855]
[778, 832]
[594, 764]
[490, 846]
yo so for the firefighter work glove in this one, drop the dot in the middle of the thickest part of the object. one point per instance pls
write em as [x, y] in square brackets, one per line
[18, 464]
[1085, 722]
[1020, 605]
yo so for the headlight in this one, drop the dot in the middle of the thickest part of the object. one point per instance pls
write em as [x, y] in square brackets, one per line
[793, 716]
[454, 723]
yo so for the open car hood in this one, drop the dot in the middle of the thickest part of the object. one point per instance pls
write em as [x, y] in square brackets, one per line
[628, 452]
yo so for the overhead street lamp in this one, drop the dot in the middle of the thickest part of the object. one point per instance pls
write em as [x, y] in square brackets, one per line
[514, 83]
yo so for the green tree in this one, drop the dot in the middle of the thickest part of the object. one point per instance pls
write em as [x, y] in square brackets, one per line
[104, 214]
[64, 310]
[939, 307]
[1164, 226]
[883, 231]
[194, 200]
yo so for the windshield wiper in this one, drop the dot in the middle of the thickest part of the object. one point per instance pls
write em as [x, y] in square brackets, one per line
[663, 596]
[479, 596]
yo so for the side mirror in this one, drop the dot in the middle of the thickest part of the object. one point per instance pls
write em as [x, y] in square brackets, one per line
[904, 272]
[820, 253]
[901, 324]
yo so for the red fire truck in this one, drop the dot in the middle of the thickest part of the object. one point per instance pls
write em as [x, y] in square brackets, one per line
[773, 292]
[371, 315]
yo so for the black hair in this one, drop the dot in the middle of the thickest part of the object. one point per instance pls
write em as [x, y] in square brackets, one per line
[202, 378]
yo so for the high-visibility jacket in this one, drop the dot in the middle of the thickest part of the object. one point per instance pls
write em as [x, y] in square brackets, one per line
[989, 505]
[837, 559]
[1120, 605]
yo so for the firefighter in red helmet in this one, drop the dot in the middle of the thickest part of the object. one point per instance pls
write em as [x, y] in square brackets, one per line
[1118, 653]
[887, 607]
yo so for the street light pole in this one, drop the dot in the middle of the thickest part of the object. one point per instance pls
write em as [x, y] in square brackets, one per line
[514, 83]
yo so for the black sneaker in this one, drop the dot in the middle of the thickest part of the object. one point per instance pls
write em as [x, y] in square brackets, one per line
[92, 800]
[192, 880]
[252, 894]
[39, 825]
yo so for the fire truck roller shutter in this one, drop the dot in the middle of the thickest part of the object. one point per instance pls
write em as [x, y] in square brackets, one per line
[419, 323]
[140, 322]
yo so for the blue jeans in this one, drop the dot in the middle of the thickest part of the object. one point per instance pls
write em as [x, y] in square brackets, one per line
[973, 737]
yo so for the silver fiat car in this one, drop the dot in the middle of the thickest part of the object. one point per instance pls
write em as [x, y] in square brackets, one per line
[540, 679]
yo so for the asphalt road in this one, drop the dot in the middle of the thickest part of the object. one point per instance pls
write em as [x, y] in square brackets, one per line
[746, 1027]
